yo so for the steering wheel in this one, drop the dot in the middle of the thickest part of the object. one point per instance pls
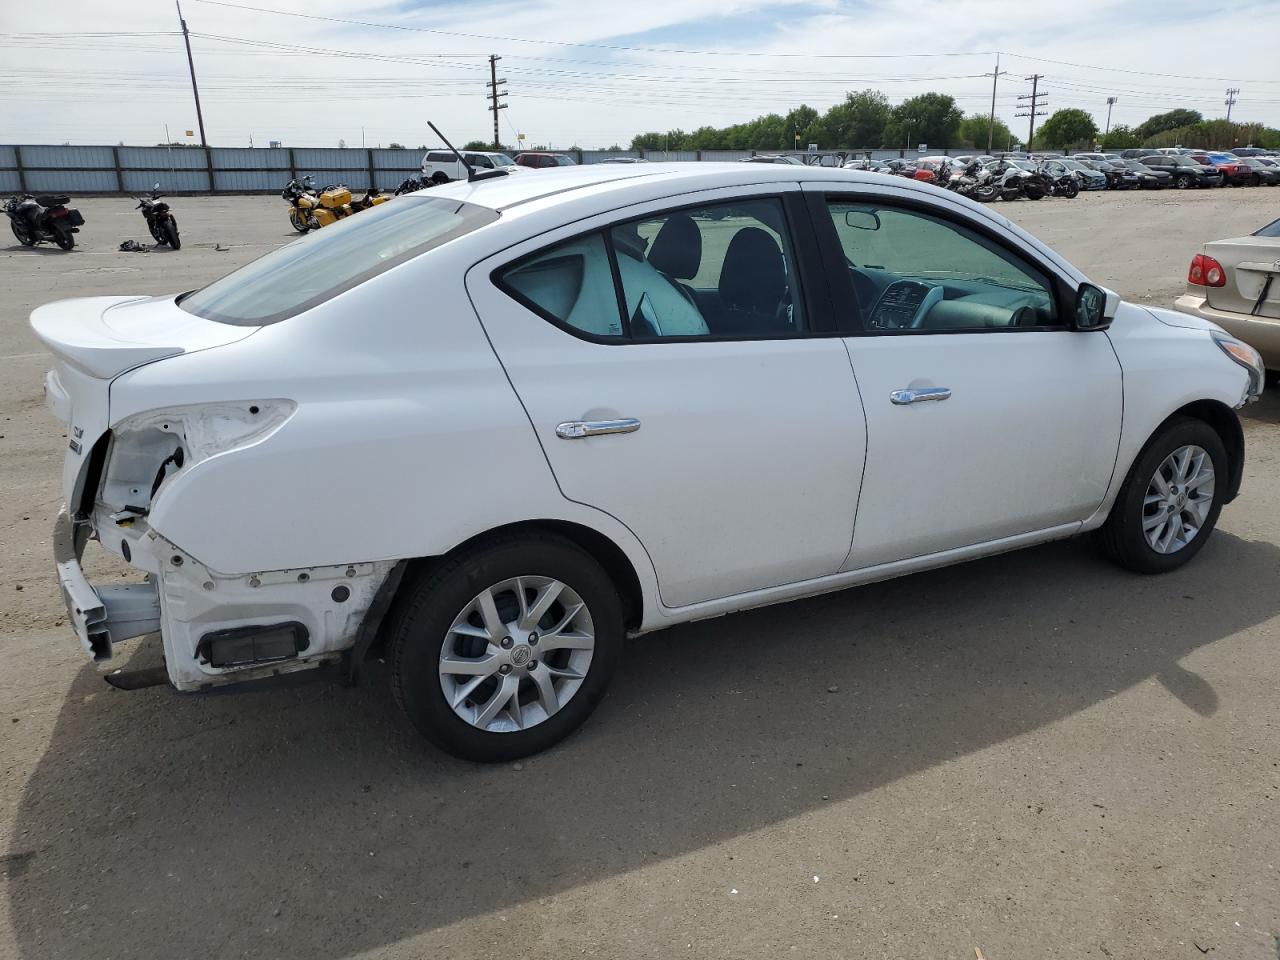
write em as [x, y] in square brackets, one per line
[931, 299]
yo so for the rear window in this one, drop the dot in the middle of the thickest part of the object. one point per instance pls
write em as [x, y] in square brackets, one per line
[310, 270]
[1272, 229]
[440, 157]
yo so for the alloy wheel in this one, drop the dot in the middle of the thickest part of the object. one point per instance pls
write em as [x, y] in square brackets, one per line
[1178, 499]
[516, 654]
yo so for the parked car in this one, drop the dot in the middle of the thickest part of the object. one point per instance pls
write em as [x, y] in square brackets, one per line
[494, 500]
[1135, 153]
[538, 160]
[1249, 152]
[1119, 177]
[1149, 178]
[1234, 172]
[441, 166]
[624, 160]
[1236, 284]
[1185, 172]
[1174, 151]
[1090, 179]
[1263, 175]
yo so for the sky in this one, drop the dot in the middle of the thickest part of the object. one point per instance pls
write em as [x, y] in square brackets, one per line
[592, 74]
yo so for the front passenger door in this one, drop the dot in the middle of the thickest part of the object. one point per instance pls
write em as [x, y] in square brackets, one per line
[987, 417]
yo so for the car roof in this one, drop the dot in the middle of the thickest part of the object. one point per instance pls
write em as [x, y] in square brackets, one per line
[617, 181]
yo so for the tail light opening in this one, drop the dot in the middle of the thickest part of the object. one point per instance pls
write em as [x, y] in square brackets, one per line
[1206, 272]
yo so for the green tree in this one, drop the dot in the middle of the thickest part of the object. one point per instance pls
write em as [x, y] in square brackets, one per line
[1163, 122]
[797, 123]
[477, 145]
[1120, 137]
[931, 118]
[858, 121]
[1071, 127]
[395, 146]
[973, 132]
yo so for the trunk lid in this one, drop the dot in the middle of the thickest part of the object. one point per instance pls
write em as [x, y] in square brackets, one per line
[1247, 262]
[93, 341]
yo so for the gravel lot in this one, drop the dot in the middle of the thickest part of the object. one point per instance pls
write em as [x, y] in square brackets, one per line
[1036, 755]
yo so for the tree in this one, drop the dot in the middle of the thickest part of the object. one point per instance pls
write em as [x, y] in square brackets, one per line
[477, 145]
[931, 118]
[973, 132]
[1120, 137]
[1162, 122]
[395, 146]
[858, 121]
[1071, 127]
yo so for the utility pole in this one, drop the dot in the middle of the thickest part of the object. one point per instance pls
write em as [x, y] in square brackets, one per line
[991, 124]
[1111, 102]
[191, 64]
[1035, 100]
[1232, 92]
[493, 85]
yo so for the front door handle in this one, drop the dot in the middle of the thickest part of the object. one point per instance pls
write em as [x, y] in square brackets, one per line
[919, 395]
[577, 429]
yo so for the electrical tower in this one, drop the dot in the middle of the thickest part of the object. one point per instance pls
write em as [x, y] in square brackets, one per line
[494, 95]
[1034, 101]
[1232, 93]
[1111, 102]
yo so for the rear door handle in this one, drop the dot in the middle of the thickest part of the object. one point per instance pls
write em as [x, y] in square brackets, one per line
[919, 395]
[577, 429]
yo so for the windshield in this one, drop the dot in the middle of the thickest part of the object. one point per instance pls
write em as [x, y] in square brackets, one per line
[310, 270]
[1022, 164]
[501, 160]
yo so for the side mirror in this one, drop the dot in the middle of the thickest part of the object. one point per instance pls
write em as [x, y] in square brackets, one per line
[862, 219]
[1095, 307]
[156, 185]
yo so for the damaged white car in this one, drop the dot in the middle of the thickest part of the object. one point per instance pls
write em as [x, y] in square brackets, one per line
[488, 431]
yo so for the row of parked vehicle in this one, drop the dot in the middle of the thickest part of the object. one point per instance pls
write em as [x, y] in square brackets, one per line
[46, 218]
[1045, 174]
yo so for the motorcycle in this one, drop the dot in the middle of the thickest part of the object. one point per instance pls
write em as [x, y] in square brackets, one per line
[45, 217]
[1063, 184]
[160, 221]
[412, 185]
[1014, 182]
[974, 181]
[311, 209]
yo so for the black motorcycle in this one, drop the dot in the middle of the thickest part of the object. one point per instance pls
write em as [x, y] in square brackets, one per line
[160, 221]
[413, 184]
[42, 218]
[1061, 184]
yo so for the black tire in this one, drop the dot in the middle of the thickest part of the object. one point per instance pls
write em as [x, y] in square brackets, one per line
[1183, 182]
[156, 233]
[438, 178]
[1071, 190]
[426, 607]
[64, 238]
[1121, 538]
[985, 193]
[299, 220]
[170, 230]
[23, 233]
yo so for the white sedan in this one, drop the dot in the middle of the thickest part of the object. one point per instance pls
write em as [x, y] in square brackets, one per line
[490, 430]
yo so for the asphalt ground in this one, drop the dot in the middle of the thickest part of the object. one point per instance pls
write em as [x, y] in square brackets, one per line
[1036, 755]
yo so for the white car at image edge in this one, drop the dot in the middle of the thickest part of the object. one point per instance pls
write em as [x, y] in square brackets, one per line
[489, 430]
[442, 166]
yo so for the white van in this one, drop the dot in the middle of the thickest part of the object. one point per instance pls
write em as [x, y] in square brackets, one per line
[441, 166]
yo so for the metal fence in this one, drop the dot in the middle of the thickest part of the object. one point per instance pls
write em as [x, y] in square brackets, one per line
[120, 169]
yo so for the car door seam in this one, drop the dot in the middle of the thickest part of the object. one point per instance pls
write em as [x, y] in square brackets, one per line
[866, 453]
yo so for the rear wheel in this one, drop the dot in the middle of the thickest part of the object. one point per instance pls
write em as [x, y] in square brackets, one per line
[1170, 500]
[506, 650]
[170, 230]
[438, 178]
[22, 232]
[64, 238]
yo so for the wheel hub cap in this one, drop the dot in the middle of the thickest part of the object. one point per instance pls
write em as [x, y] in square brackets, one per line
[1178, 499]
[516, 654]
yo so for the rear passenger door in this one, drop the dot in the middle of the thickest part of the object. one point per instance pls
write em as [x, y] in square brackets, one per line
[679, 366]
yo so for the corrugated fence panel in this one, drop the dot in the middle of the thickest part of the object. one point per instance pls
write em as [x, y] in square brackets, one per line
[250, 179]
[7, 157]
[71, 158]
[670, 156]
[161, 158]
[390, 179]
[314, 159]
[397, 159]
[139, 182]
[355, 179]
[254, 158]
[71, 181]
[725, 154]
[9, 181]
[595, 156]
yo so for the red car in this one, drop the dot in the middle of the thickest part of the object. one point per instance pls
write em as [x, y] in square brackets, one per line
[1233, 171]
[545, 160]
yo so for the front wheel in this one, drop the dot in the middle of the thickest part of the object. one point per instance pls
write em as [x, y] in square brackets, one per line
[1170, 500]
[299, 220]
[506, 650]
[22, 232]
[64, 238]
[1183, 182]
[985, 192]
[170, 231]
